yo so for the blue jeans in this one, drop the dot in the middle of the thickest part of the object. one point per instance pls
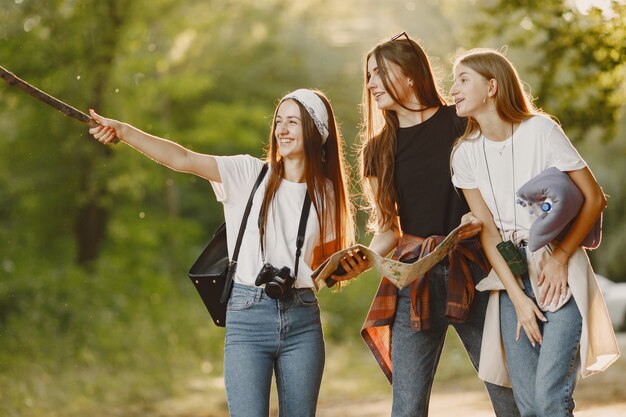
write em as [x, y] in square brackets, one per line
[415, 355]
[266, 337]
[544, 376]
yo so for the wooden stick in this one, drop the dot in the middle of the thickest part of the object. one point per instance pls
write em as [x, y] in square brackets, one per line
[51, 101]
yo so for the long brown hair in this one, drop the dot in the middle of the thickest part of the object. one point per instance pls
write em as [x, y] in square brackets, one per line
[378, 130]
[326, 175]
[513, 104]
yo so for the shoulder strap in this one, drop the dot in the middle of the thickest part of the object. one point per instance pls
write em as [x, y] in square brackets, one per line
[246, 213]
[301, 229]
[232, 264]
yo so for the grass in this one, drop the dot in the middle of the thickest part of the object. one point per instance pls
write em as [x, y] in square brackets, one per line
[175, 383]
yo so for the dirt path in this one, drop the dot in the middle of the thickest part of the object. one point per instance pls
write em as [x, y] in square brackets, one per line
[444, 403]
[472, 403]
[601, 395]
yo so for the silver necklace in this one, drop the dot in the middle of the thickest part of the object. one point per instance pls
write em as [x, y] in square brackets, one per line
[509, 251]
[491, 184]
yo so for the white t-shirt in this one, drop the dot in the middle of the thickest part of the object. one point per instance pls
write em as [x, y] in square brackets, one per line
[538, 143]
[238, 176]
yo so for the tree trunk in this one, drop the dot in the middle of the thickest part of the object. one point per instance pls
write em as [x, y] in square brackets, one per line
[92, 217]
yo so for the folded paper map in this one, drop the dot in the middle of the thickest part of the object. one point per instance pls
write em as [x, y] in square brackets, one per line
[399, 273]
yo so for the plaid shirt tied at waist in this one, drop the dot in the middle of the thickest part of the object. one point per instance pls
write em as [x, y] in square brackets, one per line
[376, 330]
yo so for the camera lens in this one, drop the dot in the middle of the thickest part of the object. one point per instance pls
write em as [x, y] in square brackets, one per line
[274, 290]
[278, 282]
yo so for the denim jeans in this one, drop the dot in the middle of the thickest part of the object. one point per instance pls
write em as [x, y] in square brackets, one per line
[415, 355]
[265, 337]
[544, 376]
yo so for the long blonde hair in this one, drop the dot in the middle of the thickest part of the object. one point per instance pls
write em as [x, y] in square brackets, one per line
[323, 163]
[378, 130]
[513, 104]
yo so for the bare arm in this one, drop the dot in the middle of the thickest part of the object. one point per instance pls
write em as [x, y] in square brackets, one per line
[385, 240]
[161, 150]
[383, 243]
[527, 311]
[554, 274]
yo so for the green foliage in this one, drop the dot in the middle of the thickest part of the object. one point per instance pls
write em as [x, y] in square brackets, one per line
[343, 311]
[574, 61]
[63, 331]
[606, 159]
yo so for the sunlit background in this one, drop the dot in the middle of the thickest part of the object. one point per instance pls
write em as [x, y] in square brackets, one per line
[97, 316]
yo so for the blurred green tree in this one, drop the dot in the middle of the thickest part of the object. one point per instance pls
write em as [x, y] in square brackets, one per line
[572, 57]
[95, 241]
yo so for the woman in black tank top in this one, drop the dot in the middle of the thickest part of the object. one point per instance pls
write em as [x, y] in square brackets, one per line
[407, 138]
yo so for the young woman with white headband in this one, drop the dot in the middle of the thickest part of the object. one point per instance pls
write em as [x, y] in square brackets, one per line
[269, 332]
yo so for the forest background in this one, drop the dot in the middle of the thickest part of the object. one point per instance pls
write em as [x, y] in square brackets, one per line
[97, 316]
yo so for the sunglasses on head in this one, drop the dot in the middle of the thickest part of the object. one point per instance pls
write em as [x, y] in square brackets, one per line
[403, 34]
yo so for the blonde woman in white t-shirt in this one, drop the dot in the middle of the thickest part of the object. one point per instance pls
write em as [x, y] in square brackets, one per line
[545, 332]
[271, 332]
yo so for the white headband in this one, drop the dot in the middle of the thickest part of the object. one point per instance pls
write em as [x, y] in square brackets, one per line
[314, 106]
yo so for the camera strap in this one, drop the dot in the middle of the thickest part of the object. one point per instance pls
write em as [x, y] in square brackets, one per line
[306, 207]
[493, 194]
[304, 216]
[508, 250]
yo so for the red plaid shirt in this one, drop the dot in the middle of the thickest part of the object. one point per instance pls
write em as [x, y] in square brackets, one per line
[377, 327]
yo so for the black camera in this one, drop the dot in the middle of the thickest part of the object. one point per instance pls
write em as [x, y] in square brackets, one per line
[278, 282]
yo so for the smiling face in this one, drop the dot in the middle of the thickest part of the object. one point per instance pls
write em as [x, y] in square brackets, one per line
[288, 130]
[401, 84]
[470, 91]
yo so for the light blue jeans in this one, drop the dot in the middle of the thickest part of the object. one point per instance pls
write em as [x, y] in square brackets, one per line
[415, 355]
[266, 337]
[544, 376]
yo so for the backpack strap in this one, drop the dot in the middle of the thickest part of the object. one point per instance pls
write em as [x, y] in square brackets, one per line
[232, 264]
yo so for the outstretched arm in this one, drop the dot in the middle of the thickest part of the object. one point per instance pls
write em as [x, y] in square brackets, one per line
[161, 150]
